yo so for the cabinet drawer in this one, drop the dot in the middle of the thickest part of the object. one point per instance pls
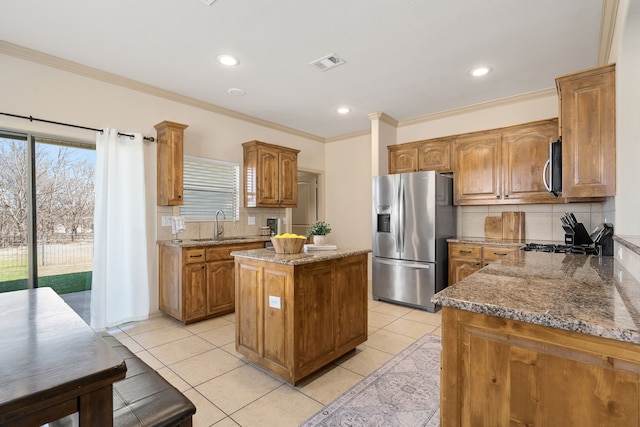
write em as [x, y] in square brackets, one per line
[194, 255]
[223, 252]
[495, 252]
[464, 250]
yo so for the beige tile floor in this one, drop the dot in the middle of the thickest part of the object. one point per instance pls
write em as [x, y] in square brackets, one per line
[200, 360]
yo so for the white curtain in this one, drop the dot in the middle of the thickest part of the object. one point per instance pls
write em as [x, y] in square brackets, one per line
[120, 286]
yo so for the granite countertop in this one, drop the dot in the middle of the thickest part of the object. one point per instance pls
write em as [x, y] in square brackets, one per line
[580, 293]
[187, 243]
[305, 257]
[630, 242]
[487, 241]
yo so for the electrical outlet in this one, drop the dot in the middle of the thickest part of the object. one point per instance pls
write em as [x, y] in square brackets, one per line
[166, 221]
[252, 220]
[284, 220]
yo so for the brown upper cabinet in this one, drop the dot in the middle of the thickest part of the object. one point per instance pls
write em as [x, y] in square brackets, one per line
[587, 126]
[503, 166]
[170, 151]
[431, 154]
[270, 175]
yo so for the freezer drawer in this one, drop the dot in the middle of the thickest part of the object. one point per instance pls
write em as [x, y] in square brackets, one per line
[405, 282]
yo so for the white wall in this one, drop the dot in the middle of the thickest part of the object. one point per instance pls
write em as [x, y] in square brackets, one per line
[628, 124]
[31, 89]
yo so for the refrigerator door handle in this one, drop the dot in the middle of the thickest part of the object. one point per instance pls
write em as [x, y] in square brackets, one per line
[400, 227]
[406, 264]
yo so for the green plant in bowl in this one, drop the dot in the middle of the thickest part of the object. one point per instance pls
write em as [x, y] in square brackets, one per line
[319, 228]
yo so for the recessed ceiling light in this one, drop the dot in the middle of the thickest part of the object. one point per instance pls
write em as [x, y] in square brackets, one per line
[229, 60]
[344, 110]
[235, 91]
[479, 71]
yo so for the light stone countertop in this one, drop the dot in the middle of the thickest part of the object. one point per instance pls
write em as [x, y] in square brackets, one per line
[580, 293]
[187, 243]
[630, 242]
[304, 257]
[509, 242]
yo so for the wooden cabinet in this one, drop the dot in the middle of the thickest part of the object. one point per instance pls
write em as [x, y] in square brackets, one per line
[170, 162]
[467, 258]
[503, 166]
[587, 126]
[293, 320]
[432, 154]
[197, 283]
[270, 175]
[501, 372]
[464, 260]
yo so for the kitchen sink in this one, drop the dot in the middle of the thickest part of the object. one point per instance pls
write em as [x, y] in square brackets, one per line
[221, 239]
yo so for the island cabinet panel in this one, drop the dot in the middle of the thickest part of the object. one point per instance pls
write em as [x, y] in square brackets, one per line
[295, 319]
[277, 347]
[351, 303]
[314, 312]
[529, 374]
[249, 317]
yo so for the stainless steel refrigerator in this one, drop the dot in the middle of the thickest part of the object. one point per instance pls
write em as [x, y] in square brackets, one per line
[413, 216]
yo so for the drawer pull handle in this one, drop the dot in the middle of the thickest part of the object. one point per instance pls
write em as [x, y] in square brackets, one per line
[500, 253]
[465, 251]
[195, 256]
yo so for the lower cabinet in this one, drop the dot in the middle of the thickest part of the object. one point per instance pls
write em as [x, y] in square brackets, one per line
[293, 320]
[502, 372]
[467, 258]
[197, 283]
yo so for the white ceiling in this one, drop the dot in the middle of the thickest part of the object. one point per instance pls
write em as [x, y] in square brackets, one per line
[406, 58]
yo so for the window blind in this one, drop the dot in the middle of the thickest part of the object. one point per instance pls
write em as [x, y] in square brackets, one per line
[210, 185]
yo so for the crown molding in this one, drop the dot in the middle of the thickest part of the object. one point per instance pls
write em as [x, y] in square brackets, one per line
[383, 117]
[607, 29]
[96, 74]
[481, 106]
[349, 136]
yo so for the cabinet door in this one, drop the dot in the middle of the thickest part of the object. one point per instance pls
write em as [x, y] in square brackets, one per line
[351, 301]
[525, 151]
[267, 183]
[314, 313]
[403, 159]
[459, 268]
[249, 317]
[220, 287]
[170, 163]
[194, 295]
[288, 180]
[587, 113]
[435, 156]
[478, 169]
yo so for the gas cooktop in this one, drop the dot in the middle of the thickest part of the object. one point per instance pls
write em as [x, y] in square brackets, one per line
[562, 249]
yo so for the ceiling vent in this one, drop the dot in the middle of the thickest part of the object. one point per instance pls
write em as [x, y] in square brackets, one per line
[208, 2]
[327, 62]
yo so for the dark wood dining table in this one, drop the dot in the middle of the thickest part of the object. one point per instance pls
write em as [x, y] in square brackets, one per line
[52, 364]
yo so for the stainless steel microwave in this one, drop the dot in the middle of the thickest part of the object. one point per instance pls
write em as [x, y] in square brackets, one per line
[552, 172]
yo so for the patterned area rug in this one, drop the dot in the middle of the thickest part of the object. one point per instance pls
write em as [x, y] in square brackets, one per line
[405, 391]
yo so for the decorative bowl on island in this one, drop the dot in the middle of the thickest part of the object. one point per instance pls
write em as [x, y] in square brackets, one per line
[288, 243]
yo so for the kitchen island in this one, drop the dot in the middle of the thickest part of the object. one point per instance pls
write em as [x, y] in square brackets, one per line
[542, 339]
[296, 313]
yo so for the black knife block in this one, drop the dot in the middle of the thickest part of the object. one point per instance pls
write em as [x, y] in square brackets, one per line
[576, 235]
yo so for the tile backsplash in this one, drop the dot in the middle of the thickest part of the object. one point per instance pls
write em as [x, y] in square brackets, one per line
[542, 221]
[204, 229]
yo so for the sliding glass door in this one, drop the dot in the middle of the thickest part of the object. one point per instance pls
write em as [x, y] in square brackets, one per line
[46, 213]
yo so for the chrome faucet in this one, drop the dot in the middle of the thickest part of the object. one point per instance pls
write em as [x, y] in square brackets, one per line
[218, 232]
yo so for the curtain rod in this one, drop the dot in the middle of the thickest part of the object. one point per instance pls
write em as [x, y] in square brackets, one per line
[31, 119]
